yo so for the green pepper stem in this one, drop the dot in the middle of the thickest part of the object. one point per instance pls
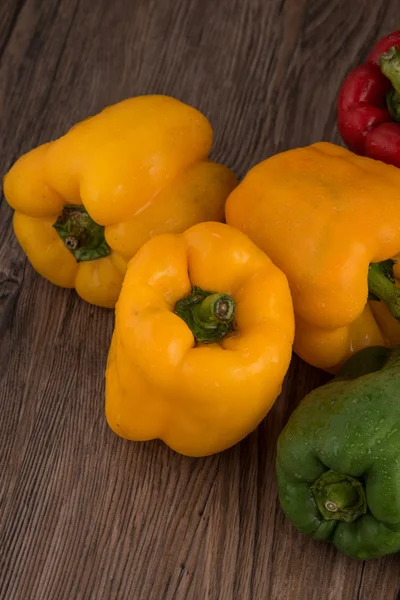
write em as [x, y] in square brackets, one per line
[209, 315]
[339, 497]
[390, 66]
[381, 285]
[82, 236]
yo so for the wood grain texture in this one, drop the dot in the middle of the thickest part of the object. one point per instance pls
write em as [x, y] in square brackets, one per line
[83, 514]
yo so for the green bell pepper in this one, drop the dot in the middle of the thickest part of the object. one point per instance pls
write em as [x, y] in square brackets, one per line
[338, 458]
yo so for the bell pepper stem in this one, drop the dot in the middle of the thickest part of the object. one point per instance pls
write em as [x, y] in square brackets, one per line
[82, 236]
[390, 66]
[339, 497]
[382, 286]
[209, 315]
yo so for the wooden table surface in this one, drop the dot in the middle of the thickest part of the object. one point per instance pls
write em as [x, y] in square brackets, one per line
[84, 514]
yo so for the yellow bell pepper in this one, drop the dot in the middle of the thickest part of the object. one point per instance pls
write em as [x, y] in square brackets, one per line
[330, 220]
[202, 342]
[85, 203]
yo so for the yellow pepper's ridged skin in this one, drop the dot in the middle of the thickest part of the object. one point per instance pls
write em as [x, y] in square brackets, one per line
[139, 167]
[323, 214]
[199, 399]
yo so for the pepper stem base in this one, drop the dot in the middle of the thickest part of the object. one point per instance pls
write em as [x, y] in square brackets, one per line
[339, 497]
[381, 285]
[209, 315]
[390, 66]
[82, 236]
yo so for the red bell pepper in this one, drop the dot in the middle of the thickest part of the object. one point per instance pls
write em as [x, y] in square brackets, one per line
[369, 104]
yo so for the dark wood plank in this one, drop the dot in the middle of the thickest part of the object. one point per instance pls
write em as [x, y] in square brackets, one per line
[84, 514]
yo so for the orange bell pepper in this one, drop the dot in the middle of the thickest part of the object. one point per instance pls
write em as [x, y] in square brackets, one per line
[330, 220]
[85, 203]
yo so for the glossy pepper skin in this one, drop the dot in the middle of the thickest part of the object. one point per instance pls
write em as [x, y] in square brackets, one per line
[85, 203]
[369, 104]
[338, 466]
[163, 379]
[324, 215]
